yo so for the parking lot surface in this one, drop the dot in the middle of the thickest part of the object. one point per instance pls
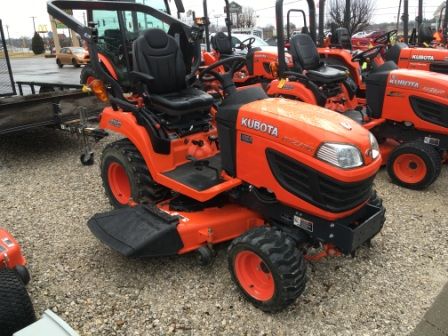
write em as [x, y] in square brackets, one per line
[47, 196]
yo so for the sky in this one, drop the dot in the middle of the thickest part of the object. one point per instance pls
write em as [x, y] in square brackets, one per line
[16, 14]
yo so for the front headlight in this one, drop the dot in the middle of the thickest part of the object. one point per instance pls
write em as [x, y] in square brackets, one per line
[374, 145]
[341, 155]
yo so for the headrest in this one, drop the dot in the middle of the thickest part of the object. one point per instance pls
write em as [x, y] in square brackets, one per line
[112, 33]
[156, 38]
[221, 43]
[425, 33]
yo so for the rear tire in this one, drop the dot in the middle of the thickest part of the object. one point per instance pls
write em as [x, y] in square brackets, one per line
[58, 62]
[267, 268]
[414, 165]
[16, 309]
[125, 176]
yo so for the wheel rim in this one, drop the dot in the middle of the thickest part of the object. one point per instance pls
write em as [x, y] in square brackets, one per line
[119, 182]
[90, 79]
[410, 168]
[254, 275]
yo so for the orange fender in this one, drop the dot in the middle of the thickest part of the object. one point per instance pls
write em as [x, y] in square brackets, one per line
[108, 65]
[295, 90]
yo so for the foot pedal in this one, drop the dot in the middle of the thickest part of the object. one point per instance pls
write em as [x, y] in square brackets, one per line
[141, 231]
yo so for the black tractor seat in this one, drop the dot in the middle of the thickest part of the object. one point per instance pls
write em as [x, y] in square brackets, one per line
[222, 44]
[341, 39]
[182, 102]
[159, 66]
[326, 74]
[306, 57]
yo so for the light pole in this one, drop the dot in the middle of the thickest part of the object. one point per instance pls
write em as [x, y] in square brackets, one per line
[7, 32]
[34, 24]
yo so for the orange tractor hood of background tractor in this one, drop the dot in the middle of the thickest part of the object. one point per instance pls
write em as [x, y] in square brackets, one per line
[424, 54]
[418, 80]
[301, 126]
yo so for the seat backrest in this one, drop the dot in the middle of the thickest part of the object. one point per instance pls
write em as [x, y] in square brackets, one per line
[425, 34]
[112, 34]
[341, 38]
[393, 53]
[304, 52]
[222, 43]
[157, 54]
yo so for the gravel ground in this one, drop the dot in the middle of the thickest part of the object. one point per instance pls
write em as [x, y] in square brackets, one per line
[47, 196]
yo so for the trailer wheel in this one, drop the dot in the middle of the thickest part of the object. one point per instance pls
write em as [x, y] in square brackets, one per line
[414, 165]
[268, 268]
[58, 62]
[126, 177]
[16, 309]
[87, 159]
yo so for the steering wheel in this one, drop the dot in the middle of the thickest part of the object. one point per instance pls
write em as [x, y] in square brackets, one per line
[385, 38]
[233, 64]
[367, 54]
[249, 43]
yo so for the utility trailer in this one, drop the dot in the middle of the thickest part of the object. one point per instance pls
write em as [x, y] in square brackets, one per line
[62, 106]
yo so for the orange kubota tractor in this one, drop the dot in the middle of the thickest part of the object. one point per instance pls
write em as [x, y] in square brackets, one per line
[417, 54]
[274, 176]
[261, 58]
[16, 308]
[407, 110]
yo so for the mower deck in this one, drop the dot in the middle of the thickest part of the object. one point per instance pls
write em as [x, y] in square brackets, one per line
[169, 229]
[137, 232]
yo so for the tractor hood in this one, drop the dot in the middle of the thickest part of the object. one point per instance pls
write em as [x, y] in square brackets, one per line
[425, 54]
[301, 126]
[425, 81]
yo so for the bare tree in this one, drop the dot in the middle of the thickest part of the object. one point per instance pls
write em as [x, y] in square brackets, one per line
[359, 18]
[247, 19]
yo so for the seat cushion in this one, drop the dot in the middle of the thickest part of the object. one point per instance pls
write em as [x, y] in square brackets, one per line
[326, 74]
[182, 102]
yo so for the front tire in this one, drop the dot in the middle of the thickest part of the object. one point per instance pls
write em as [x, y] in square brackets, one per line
[126, 177]
[75, 63]
[58, 62]
[16, 309]
[414, 165]
[267, 268]
[87, 75]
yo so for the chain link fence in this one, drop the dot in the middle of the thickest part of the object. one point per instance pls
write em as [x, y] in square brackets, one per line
[7, 87]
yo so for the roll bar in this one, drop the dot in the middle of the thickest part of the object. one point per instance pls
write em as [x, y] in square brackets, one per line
[321, 22]
[288, 17]
[445, 23]
[228, 23]
[89, 33]
[281, 34]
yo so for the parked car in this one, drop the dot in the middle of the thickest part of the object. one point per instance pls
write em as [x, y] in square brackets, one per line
[360, 34]
[364, 43]
[75, 56]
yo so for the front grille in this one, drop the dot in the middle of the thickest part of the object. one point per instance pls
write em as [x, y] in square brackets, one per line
[316, 188]
[430, 111]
